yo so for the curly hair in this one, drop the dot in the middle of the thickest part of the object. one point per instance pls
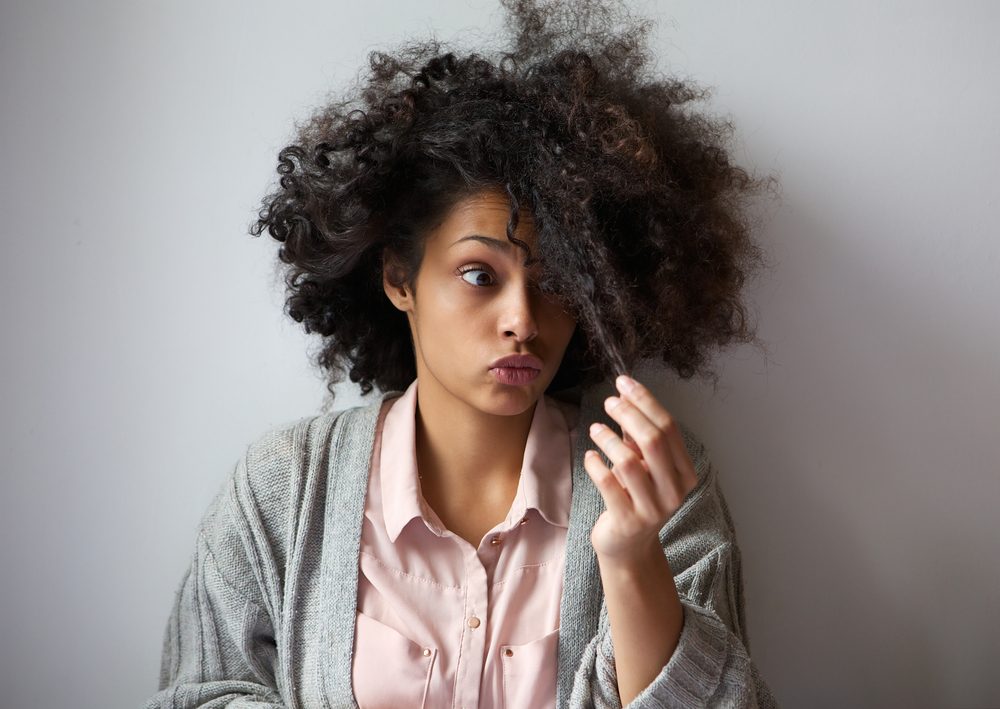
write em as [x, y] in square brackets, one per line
[637, 206]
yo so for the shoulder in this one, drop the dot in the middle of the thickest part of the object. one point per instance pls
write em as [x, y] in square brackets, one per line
[262, 495]
[272, 456]
[279, 479]
[290, 460]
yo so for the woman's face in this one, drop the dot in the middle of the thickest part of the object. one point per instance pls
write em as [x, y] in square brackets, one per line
[476, 302]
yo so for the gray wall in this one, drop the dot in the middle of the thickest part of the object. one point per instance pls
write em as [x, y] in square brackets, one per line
[144, 344]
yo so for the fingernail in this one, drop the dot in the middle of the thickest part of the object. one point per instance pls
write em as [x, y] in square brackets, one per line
[625, 384]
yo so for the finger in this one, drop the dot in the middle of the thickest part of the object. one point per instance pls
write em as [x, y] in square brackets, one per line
[643, 399]
[630, 442]
[615, 497]
[682, 475]
[594, 431]
[654, 448]
[634, 423]
[683, 479]
[634, 391]
[631, 469]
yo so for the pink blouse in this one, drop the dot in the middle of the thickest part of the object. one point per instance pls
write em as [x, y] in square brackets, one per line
[441, 623]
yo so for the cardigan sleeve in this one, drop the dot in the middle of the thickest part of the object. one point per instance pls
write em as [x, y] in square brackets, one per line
[219, 648]
[711, 665]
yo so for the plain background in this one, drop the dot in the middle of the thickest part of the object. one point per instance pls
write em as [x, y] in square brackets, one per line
[144, 345]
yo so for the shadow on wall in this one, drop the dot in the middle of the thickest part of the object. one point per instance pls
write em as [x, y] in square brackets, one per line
[859, 482]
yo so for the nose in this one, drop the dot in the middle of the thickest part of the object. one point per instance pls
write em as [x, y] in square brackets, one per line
[517, 319]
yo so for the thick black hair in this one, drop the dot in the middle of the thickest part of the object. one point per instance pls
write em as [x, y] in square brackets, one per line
[638, 208]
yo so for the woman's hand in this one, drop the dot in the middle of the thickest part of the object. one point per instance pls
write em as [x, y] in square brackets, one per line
[652, 473]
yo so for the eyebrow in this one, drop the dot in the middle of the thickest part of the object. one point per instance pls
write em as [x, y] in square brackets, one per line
[504, 247]
[495, 244]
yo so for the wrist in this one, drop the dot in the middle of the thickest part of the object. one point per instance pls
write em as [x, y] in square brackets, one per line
[636, 560]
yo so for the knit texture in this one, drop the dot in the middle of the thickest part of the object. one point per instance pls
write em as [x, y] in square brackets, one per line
[264, 615]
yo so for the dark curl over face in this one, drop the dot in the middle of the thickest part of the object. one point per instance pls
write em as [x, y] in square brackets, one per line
[638, 210]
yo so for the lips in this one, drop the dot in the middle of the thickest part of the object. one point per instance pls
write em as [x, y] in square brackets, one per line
[523, 361]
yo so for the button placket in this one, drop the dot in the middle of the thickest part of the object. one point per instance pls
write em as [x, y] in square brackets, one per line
[469, 674]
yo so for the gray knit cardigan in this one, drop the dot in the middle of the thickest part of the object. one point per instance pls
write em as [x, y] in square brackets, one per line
[264, 616]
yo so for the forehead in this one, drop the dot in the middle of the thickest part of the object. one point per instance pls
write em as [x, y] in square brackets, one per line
[483, 214]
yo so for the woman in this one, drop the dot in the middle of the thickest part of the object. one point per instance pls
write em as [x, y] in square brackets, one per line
[486, 244]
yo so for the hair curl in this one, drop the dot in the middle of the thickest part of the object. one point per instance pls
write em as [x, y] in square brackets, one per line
[637, 206]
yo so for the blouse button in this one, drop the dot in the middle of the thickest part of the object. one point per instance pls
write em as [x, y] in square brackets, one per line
[508, 652]
[495, 540]
[524, 521]
[473, 622]
[427, 652]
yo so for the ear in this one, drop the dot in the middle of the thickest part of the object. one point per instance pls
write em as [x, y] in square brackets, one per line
[392, 274]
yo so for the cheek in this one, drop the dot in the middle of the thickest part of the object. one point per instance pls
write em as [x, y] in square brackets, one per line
[449, 320]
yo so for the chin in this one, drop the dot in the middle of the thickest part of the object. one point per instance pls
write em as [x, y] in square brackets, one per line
[510, 400]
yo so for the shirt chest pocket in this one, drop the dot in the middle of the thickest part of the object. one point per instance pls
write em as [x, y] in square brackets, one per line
[529, 673]
[389, 670]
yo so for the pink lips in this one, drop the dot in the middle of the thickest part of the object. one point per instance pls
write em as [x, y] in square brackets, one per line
[519, 361]
[516, 369]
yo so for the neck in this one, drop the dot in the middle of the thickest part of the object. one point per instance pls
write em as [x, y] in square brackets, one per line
[467, 458]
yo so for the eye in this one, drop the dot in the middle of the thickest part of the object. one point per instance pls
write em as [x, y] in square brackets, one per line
[480, 280]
